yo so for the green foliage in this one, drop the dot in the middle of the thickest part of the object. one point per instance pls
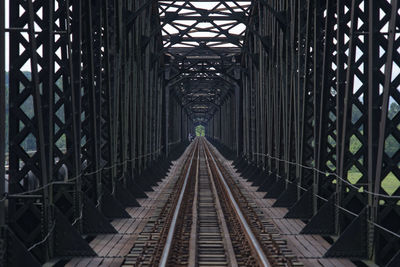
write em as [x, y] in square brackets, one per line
[61, 142]
[355, 144]
[200, 130]
[391, 144]
[29, 143]
[393, 110]
[390, 183]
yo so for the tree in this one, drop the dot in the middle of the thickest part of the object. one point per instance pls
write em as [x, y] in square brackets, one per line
[200, 130]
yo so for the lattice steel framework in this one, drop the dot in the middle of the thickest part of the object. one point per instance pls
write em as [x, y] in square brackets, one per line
[317, 103]
[86, 84]
[203, 41]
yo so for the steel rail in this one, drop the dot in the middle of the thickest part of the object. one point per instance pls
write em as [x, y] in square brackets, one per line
[224, 227]
[171, 230]
[253, 240]
[195, 216]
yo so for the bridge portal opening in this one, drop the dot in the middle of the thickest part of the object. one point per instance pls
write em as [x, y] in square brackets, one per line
[200, 130]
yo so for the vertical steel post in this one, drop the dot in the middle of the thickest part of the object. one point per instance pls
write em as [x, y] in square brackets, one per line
[2, 110]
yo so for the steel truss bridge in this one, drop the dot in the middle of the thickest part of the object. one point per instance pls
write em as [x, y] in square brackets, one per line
[303, 91]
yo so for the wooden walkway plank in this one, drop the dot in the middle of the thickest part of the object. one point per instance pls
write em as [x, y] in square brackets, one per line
[73, 262]
[308, 248]
[128, 245]
[311, 263]
[84, 262]
[122, 224]
[310, 239]
[112, 248]
[96, 240]
[104, 239]
[126, 226]
[106, 262]
[118, 246]
[117, 223]
[104, 251]
[95, 262]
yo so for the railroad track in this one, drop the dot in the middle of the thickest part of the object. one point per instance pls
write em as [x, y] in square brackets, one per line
[210, 240]
[208, 222]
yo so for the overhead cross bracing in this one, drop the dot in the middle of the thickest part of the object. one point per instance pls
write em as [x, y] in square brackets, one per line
[203, 41]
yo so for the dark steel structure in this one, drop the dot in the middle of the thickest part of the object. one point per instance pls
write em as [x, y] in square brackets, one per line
[317, 82]
[86, 84]
[303, 92]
